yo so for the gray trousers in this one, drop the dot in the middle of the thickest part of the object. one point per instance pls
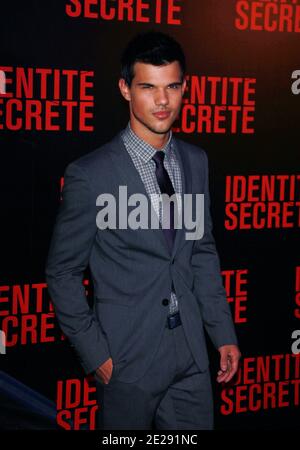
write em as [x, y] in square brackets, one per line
[171, 395]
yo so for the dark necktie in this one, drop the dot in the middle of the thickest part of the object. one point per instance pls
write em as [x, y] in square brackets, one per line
[166, 187]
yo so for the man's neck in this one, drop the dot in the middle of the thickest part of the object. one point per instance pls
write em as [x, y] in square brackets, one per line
[156, 140]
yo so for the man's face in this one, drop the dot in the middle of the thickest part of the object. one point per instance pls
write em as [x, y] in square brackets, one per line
[155, 97]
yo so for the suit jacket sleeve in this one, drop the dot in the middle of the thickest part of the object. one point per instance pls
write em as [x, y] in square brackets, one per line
[208, 283]
[74, 233]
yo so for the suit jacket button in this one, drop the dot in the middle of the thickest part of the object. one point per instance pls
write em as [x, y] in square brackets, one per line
[165, 301]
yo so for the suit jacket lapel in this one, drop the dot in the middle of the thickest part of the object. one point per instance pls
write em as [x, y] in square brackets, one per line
[186, 180]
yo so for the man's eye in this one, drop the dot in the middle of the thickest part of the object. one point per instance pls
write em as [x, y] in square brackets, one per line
[174, 86]
[146, 87]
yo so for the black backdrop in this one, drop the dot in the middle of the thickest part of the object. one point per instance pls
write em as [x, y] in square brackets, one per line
[225, 42]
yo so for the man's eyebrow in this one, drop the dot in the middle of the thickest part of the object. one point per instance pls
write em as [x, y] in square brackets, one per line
[144, 83]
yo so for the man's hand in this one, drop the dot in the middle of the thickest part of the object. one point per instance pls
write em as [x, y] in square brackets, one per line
[229, 362]
[104, 371]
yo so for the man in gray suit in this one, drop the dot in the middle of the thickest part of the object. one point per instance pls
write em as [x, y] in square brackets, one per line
[155, 290]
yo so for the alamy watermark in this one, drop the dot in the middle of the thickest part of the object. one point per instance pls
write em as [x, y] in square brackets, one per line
[296, 344]
[189, 212]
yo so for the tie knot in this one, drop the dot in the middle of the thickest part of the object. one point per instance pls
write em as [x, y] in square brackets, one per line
[158, 157]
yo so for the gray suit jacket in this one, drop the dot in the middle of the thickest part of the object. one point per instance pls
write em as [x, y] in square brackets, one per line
[132, 270]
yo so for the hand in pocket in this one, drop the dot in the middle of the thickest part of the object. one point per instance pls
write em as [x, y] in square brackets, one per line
[104, 372]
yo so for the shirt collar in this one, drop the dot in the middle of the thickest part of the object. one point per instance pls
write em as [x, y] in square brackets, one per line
[145, 150]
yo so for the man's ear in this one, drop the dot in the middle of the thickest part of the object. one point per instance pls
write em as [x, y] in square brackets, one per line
[124, 88]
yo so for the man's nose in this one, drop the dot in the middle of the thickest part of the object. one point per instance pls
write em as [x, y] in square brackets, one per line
[161, 97]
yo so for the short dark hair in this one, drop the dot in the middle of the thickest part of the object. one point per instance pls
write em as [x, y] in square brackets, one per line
[151, 47]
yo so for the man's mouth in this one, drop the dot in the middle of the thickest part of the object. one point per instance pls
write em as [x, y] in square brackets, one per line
[162, 114]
